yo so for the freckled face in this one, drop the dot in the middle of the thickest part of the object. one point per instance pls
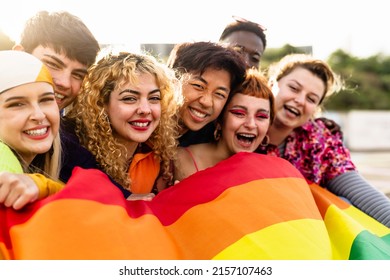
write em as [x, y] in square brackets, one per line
[297, 97]
[246, 121]
[29, 119]
[135, 110]
[204, 97]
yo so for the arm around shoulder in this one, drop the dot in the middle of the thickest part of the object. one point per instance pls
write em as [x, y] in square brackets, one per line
[45, 185]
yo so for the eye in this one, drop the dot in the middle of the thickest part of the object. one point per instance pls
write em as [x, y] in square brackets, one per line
[262, 116]
[293, 88]
[78, 76]
[155, 99]
[313, 100]
[129, 99]
[221, 94]
[52, 65]
[197, 86]
[255, 58]
[48, 99]
[239, 49]
[238, 113]
[15, 104]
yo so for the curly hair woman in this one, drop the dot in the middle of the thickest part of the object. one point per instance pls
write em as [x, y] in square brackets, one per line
[124, 119]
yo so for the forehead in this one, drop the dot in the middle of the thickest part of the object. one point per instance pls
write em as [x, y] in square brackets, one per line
[306, 79]
[27, 90]
[247, 39]
[211, 75]
[256, 103]
[42, 52]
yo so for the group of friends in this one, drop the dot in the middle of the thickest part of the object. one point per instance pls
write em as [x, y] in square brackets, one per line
[148, 124]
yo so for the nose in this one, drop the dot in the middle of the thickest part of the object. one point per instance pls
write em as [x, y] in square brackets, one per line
[37, 114]
[250, 122]
[62, 80]
[300, 98]
[144, 108]
[247, 58]
[206, 99]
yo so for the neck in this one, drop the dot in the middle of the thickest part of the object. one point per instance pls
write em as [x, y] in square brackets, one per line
[221, 152]
[278, 133]
[130, 147]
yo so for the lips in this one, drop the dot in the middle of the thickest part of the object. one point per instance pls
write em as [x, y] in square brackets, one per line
[292, 110]
[140, 124]
[198, 113]
[245, 139]
[37, 132]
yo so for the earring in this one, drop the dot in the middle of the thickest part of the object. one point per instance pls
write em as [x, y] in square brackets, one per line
[217, 132]
[266, 142]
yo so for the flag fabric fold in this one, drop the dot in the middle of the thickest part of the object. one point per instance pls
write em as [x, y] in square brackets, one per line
[249, 206]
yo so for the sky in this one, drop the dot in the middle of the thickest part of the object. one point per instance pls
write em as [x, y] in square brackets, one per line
[358, 27]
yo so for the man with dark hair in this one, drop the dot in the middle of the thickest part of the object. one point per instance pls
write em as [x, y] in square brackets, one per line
[65, 45]
[246, 37]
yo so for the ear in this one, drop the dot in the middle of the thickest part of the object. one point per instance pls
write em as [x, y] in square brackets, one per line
[18, 47]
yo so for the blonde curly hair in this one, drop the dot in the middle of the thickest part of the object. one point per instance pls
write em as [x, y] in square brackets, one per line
[92, 123]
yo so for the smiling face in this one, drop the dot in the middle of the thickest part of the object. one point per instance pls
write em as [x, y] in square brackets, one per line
[245, 123]
[248, 44]
[29, 119]
[67, 74]
[204, 98]
[297, 97]
[134, 111]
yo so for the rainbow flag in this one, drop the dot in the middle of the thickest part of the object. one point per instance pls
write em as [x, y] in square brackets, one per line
[249, 206]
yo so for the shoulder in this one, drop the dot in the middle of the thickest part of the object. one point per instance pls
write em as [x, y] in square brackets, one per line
[321, 128]
[329, 124]
[8, 160]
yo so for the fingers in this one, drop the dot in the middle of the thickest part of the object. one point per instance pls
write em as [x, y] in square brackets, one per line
[141, 196]
[17, 190]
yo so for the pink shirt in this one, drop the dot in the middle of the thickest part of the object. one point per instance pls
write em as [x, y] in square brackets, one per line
[314, 150]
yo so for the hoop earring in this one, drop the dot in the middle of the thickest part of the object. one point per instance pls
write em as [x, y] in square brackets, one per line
[217, 132]
[266, 142]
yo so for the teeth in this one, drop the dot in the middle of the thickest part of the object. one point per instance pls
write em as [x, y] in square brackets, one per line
[293, 110]
[140, 124]
[59, 96]
[36, 132]
[198, 114]
[247, 135]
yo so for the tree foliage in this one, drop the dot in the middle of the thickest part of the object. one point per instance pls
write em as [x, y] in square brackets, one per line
[366, 80]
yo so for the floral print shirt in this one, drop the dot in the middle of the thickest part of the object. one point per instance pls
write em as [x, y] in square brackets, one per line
[319, 154]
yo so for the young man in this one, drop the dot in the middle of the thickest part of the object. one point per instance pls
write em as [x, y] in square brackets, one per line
[246, 37]
[65, 45]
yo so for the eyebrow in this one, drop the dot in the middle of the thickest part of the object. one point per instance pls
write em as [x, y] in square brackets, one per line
[200, 78]
[310, 92]
[246, 109]
[59, 61]
[24, 97]
[137, 92]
